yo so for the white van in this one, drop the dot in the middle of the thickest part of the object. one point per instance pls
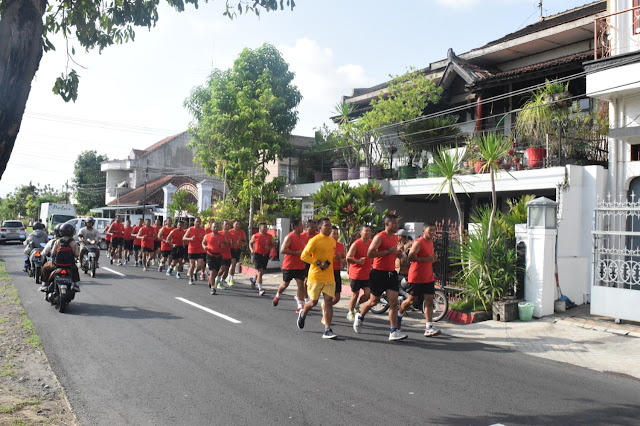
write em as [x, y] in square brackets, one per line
[100, 224]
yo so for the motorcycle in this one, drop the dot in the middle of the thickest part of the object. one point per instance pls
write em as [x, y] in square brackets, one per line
[89, 260]
[440, 301]
[35, 262]
[60, 292]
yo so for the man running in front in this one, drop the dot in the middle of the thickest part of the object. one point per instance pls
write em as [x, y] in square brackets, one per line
[293, 268]
[146, 235]
[383, 277]
[320, 254]
[421, 279]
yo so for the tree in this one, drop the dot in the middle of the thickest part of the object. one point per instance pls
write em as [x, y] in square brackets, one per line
[25, 28]
[243, 118]
[89, 181]
[181, 203]
[449, 166]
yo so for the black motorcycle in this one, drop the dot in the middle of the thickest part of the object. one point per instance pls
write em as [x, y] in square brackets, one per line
[60, 292]
[35, 263]
[440, 302]
[89, 260]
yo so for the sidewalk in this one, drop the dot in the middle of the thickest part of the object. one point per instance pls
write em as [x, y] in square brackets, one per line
[574, 337]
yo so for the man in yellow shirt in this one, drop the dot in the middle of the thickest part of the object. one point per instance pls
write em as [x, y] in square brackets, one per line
[320, 254]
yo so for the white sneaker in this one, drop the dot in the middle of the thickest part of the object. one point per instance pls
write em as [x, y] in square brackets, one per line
[351, 316]
[230, 281]
[397, 335]
[190, 281]
[357, 323]
[430, 332]
[178, 275]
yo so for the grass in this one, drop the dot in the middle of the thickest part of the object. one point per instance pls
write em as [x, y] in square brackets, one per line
[18, 406]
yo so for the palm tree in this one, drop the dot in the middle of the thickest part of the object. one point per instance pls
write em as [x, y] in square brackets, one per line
[449, 165]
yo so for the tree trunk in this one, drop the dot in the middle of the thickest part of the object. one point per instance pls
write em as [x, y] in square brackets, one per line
[494, 202]
[253, 172]
[21, 31]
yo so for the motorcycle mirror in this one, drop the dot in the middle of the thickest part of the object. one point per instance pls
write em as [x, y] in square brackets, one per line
[43, 245]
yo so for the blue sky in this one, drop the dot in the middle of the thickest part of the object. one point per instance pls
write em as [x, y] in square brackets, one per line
[131, 95]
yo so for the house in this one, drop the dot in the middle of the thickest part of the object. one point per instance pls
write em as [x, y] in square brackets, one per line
[613, 76]
[485, 88]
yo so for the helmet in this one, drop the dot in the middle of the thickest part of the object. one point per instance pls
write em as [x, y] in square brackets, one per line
[67, 230]
[38, 225]
[90, 219]
[56, 230]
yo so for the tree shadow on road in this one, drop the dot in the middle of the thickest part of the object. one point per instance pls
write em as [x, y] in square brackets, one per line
[125, 312]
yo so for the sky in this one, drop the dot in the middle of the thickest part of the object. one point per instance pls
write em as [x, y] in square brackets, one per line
[132, 95]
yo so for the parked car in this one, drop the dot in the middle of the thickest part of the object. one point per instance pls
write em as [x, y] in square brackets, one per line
[100, 224]
[12, 230]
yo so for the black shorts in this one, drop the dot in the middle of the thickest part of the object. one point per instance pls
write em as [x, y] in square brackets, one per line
[213, 262]
[128, 245]
[338, 278]
[196, 256]
[165, 253]
[292, 274]
[235, 254]
[137, 247]
[117, 242]
[356, 285]
[418, 289]
[381, 281]
[156, 245]
[226, 262]
[147, 250]
[260, 261]
[178, 252]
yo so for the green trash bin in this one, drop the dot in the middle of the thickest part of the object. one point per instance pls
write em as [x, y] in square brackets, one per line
[525, 311]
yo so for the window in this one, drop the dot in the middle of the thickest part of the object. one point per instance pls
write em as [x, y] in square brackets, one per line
[289, 172]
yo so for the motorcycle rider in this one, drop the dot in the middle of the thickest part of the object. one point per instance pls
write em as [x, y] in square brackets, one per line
[88, 233]
[33, 241]
[66, 252]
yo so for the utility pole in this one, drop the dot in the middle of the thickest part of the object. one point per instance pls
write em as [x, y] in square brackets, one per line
[144, 199]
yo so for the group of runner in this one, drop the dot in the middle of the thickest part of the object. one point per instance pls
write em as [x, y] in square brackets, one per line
[313, 258]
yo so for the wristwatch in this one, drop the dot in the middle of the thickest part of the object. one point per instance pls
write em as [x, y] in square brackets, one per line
[318, 263]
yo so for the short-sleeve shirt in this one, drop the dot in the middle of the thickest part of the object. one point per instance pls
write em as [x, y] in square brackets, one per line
[128, 230]
[147, 234]
[388, 261]
[237, 236]
[195, 246]
[117, 230]
[166, 230]
[361, 272]
[136, 229]
[87, 234]
[214, 243]
[107, 230]
[422, 272]
[226, 238]
[157, 229]
[176, 237]
[339, 251]
[293, 261]
[261, 242]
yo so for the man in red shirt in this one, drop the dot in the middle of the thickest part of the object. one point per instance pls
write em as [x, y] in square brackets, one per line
[213, 241]
[117, 239]
[421, 279]
[196, 252]
[137, 242]
[293, 268]
[238, 238]
[165, 244]
[107, 239]
[128, 240]
[225, 252]
[260, 245]
[178, 252]
[156, 242]
[359, 270]
[383, 277]
[147, 235]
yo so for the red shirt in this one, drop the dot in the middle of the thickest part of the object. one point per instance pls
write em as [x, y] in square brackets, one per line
[128, 230]
[293, 261]
[361, 272]
[306, 237]
[156, 229]
[134, 231]
[165, 233]
[261, 242]
[422, 272]
[339, 250]
[195, 246]
[214, 242]
[147, 233]
[226, 238]
[117, 230]
[107, 235]
[237, 238]
[208, 231]
[388, 261]
[176, 237]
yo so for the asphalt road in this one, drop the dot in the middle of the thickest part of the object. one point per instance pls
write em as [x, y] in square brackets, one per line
[130, 352]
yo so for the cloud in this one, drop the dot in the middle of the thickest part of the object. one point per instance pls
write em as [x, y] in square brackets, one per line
[458, 4]
[321, 81]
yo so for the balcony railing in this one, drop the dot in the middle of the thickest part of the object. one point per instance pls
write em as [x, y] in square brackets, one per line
[617, 33]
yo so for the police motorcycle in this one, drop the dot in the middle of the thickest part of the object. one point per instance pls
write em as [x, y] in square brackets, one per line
[60, 291]
[34, 259]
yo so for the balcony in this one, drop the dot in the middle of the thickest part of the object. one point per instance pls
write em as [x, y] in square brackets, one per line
[617, 33]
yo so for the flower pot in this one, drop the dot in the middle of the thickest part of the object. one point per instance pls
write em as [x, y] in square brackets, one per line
[318, 176]
[506, 166]
[516, 161]
[339, 173]
[353, 173]
[519, 167]
[536, 157]
[477, 166]
[373, 172]
[407, 172]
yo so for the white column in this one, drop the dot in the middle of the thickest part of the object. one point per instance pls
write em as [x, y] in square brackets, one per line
[168, 190]
[540, 282]
[204, 194]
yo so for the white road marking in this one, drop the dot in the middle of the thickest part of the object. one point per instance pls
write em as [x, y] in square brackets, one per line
[211, 311]
[114, 272]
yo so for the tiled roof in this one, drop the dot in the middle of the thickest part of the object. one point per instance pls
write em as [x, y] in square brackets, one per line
[155, 195]
[578, 58]
[163, 141]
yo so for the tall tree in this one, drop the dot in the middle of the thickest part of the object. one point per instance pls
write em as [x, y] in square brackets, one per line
[243, 118]
[25, 28]
[89, 181]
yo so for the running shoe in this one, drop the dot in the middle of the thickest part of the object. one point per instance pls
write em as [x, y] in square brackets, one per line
[430, 332]
[276, 300]
[329, 334]
[202, 276]
[76, 287]
[190, 281]
[168, 272]
[351, 316]
[111, 260]
[220, 286]
[358, 308]
[230, 281]
[135, 265]
[119, 263]
[144, 268]
[213, 290]
[126, 261]
[253, 282]
[261, 292]
[397, 335]
[160, 268]
[178, 275]
[357, 323]
[195, 277]
[301, 319]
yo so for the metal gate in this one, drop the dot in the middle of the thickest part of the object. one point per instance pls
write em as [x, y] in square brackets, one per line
[615, 290]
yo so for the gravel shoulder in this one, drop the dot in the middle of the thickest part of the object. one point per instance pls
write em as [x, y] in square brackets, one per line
[30, 394]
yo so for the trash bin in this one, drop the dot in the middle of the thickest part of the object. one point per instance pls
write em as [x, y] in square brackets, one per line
[525, 311]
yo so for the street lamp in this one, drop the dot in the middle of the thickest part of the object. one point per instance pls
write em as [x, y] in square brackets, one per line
[542, 213]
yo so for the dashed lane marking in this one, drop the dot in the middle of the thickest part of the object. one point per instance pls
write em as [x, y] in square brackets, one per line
[113, 272]
[211, 311]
